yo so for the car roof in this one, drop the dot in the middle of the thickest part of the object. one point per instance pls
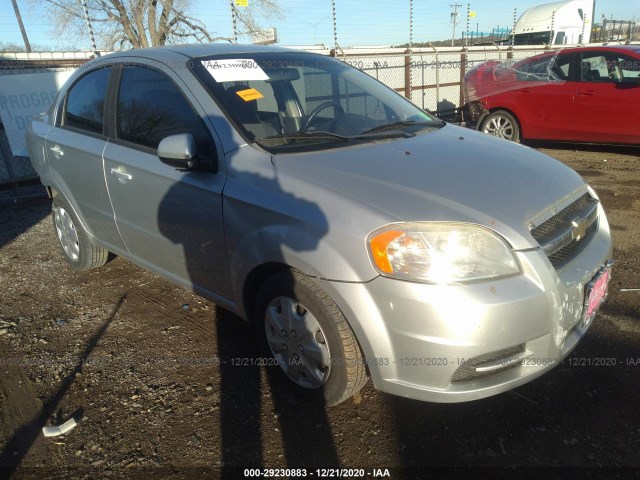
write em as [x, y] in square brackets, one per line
[614, 48]
[169, 52]
[628, 49]
[593, 48]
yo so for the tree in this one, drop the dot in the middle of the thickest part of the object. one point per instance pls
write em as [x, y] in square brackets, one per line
[11, 47]
[121, 24]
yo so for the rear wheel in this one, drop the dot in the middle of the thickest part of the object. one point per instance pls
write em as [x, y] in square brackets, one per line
[303, 329]
[501, 124]
[79, 249]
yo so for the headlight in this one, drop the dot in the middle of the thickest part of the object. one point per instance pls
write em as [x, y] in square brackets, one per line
[441, 252]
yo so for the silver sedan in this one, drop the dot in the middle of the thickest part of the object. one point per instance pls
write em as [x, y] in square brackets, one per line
[360, 235]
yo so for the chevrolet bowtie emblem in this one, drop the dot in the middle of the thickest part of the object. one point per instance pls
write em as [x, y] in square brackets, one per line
[579, 229]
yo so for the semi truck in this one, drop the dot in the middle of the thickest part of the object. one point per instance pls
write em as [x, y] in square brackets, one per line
[556, 23]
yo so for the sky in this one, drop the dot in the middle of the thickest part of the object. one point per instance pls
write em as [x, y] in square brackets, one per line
[308, 22]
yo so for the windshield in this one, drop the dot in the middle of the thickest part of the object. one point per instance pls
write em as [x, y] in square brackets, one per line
[533, 38]
[298, 101]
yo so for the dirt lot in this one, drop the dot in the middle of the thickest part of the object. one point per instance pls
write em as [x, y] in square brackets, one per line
[146, 366]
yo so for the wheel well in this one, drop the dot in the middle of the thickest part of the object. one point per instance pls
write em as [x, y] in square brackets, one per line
[254, 281]
[252, 285]
[509, 111]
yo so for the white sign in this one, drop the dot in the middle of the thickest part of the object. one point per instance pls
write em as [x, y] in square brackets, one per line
[23, 97]
[265, 37]
[232, 70]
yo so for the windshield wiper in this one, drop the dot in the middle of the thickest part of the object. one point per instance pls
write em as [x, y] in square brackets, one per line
[373, 134]
[305, 135]
[397, 126]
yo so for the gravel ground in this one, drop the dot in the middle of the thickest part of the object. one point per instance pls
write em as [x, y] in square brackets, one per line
[146, 366]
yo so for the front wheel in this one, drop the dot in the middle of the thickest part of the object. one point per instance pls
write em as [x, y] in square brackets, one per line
[79, 249]
[309, 338]
[501, 124]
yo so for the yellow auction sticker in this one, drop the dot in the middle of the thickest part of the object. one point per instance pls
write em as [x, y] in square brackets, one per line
[242, 3]
[249, 94]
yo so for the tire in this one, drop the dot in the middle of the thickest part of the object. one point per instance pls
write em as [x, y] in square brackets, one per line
[336, 369]
[501, 124]
[79, 249]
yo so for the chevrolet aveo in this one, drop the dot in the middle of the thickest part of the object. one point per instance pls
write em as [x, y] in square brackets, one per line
[361, 236]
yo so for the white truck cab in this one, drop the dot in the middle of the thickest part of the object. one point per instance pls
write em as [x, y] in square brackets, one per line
[556, 23]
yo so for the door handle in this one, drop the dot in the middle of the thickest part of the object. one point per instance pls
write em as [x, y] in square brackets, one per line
[57, 150]
[525, 90]
[587, 93]
[121, 175]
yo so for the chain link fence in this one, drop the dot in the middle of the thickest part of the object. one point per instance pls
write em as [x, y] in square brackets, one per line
[431, 78]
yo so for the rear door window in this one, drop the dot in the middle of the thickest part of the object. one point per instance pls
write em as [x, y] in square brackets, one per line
[610, 67]
[626, 69]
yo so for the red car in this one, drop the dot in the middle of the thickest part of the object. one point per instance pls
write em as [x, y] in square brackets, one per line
[585, 94]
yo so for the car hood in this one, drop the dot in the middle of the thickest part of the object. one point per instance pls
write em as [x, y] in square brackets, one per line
[451, 174]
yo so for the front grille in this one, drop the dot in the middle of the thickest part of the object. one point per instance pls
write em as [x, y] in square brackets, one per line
[565, 235]
[566, 253]
[469, 370]
[561, 220]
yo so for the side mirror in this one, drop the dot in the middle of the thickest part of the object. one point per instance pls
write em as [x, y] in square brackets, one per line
[179, 151]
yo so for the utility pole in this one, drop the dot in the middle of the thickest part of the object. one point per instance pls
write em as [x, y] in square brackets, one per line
[454, 21]
[27, 45]
[315, 28]
[593, 19]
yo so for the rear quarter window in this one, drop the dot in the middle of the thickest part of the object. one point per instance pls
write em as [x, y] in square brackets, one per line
[85, 102]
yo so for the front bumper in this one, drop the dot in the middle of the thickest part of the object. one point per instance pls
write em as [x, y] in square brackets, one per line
[455, 343]
[473, 113]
